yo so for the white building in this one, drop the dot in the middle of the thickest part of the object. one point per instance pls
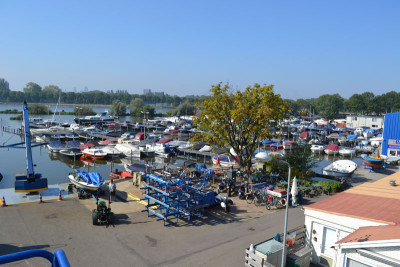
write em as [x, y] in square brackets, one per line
[357, 227]
[372, 122]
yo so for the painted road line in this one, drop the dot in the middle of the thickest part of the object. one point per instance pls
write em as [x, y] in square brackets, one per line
[135, 198]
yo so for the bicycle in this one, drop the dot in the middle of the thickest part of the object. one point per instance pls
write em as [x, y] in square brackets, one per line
[274, 201]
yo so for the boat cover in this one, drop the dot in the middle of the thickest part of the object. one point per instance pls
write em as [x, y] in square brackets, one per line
[137, 167]
[55, 143]
[91, 177]
[351, 136]
[73, 144]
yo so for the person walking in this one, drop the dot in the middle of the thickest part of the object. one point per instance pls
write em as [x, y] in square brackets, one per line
[112, 188]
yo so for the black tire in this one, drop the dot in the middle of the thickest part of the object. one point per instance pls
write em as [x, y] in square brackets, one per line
[268, 206]
[249, 199]
[94, 218]
[278, 204]
[111, 218]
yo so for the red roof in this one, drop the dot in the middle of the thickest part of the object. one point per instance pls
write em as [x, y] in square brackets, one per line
[373, 233]
[165, 140]
[371, 208]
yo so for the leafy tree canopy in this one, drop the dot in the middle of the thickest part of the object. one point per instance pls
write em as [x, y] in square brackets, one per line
[184, 109]
[54, 89]
[32, 87]
[238, 119]
[329, 105]
[83, 111]
[4, 85]
[138, 109]
[38, 109]
[118, 108]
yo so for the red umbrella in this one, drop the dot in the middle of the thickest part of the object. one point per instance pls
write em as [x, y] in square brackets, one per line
[218, 162]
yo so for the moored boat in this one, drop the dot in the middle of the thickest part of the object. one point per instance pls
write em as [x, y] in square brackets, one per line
[55, 145]
[332, 149]
[223, 161]
[347, 151]
[95, 153]
[289, 145]
[317, 148]
[72, 153]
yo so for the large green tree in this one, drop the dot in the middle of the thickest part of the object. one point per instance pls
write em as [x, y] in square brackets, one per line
[118, 108]
[138, 109]
[329, 105]
[4, 85]
[238, 119]
[32, 87]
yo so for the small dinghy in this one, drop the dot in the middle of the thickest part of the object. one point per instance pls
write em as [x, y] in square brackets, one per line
[86, 180]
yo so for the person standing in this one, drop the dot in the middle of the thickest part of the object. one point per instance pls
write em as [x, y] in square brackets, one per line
[112, 188]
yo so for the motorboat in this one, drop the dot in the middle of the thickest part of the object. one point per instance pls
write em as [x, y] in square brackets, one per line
[347, 151]
[93, 152]
[332, 149]
[72, 136]
[368, 133]
[108, 142]
[340, 168]
[91, 181]
[287, 145]
[276, 146]
[129, 150]
[365, 149]
[162, 148]
[71, 153]
[223, 161]
[376, 141]
[101, 118]
[72, 145]
[111, 151]
[372, 161]
[317, 148]
[55, 146]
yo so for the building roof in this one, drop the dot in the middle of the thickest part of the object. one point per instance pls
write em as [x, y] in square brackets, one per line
[378, 201]
[373, 233]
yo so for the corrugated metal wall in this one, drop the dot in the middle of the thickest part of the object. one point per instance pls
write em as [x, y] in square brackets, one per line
[391, 130]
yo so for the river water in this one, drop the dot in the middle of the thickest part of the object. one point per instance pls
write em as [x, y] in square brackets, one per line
[56, 168]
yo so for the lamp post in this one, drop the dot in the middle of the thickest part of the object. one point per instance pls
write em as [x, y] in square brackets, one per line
[144, 121]
[266, 157]
[286, 216]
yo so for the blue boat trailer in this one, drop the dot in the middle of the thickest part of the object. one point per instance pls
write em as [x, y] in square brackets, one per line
[58, 259]
[175, 198]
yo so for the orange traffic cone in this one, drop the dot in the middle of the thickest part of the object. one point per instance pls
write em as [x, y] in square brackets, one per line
[59, 197]
[40, 198]
[3, 203]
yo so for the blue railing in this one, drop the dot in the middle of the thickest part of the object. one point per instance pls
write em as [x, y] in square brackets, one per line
[58, 259]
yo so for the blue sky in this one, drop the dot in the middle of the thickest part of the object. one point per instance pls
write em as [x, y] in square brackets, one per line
[305, 48]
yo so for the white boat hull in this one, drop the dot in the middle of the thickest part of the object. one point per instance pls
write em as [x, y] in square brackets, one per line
[82, 184]
[340, 168]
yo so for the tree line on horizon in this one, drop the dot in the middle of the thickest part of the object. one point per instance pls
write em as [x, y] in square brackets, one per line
[327, 105]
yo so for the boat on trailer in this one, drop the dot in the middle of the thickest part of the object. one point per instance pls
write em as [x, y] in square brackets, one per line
[374, 162]
[340, 168]
[91, 181]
